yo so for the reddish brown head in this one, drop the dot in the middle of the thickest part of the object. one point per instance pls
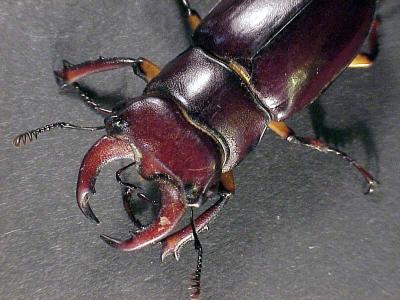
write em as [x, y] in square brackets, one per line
[167, 149]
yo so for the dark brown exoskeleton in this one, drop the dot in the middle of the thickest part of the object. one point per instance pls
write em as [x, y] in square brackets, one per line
[253, 64]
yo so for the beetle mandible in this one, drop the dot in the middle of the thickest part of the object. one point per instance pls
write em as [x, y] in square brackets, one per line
[252, 65]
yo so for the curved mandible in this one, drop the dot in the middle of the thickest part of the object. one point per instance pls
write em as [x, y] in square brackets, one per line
[171, 211]
[105, 150]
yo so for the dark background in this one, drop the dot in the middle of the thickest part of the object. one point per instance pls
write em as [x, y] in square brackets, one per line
[298, 227]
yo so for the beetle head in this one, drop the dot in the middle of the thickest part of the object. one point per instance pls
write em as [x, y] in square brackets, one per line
[160, 135]
[167, 149]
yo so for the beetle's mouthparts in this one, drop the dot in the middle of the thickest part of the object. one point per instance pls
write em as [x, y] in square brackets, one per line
[172, 206]
[171, 211]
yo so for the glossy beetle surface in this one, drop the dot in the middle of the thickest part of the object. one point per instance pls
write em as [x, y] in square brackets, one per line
[209, 122]
[214, 108]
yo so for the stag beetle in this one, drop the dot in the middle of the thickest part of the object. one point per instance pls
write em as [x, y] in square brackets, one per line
[253, 64]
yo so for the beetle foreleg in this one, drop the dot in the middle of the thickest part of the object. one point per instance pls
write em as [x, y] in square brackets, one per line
[366, 60]
[281, 129]
[192, 17]
[70, 73]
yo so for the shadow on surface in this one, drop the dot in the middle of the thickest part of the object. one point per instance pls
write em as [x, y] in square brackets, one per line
[340, 137]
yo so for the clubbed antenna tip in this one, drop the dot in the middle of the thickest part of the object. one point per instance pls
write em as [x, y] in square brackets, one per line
[29, 136]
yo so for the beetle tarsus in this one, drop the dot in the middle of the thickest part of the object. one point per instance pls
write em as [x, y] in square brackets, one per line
[90, 100]
[320, 146]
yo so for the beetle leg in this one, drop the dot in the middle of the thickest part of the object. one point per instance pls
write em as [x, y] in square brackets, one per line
[192, 17]
[228, 182]
[365, 60]
[90, 100]
[281, 129]
[70, 73]
[174, 243]
[146, 69]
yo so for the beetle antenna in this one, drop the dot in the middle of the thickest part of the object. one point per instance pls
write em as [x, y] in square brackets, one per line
[31, 135]
[197, 275]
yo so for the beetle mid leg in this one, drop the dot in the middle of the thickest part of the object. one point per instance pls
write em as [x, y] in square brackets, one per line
[192, 17]
[366, 60]
[174, 242]
[285, 132]
[70, 73]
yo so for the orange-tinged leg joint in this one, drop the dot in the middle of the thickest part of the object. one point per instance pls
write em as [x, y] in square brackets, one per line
[228, 182]
[366, 60]
[280, 129]
[193, 21]
[362, 60]
[192, 17]
[285, 132]
[146, 69]
[70, 73]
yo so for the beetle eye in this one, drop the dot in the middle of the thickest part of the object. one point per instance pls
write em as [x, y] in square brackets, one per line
[115, 125]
